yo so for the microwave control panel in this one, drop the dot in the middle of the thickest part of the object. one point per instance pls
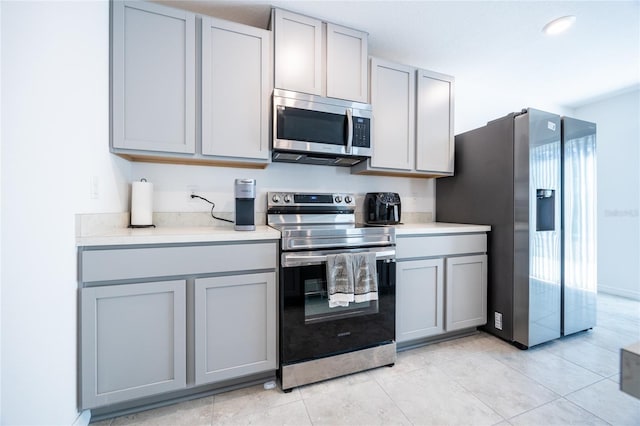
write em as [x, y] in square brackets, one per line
[361, 132]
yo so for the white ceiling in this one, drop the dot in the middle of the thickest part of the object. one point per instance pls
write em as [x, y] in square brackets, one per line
[496, 50]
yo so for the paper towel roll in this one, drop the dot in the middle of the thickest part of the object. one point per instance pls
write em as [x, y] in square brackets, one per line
[141, 203]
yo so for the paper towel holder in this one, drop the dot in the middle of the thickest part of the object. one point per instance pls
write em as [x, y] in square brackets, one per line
[140, 226]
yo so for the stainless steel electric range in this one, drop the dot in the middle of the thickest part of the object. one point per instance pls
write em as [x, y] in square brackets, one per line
[318, 341]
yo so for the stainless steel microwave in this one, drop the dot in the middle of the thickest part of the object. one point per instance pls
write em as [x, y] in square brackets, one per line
[316, 130]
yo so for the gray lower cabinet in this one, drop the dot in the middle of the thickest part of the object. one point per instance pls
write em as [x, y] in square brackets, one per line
[156, 319]
[466, 292]
[235, 327]
[441, 285]
[133, 341]
[419, 299]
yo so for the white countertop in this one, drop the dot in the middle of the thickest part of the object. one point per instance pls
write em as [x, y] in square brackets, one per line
[438, 228]
[214, 234]
[169, 235]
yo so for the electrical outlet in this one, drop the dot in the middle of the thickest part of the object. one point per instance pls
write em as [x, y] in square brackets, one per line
[192, 189]
[497, 320]
[94, 188]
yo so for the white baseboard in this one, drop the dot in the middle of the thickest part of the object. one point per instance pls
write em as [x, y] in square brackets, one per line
[629, 294]
[83, 418]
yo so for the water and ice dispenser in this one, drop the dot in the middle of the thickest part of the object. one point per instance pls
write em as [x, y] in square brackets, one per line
[545, 210]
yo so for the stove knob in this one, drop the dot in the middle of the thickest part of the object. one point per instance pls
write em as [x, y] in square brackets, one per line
[287, 198]
[275, 198]
[348, 199]
[338, 199]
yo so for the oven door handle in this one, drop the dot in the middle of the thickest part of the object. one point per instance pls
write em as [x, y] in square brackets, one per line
[297, 259]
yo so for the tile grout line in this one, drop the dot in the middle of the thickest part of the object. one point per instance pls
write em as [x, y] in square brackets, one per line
[584, 408]
[471, 393]
[393, 400]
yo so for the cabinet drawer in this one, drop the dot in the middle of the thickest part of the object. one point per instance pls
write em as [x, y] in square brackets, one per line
[148, 262]
[439, 245]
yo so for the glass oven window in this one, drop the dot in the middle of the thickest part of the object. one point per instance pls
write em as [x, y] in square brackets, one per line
[316, 301]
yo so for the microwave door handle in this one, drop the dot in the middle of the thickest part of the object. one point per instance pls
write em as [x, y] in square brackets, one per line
[350, 130]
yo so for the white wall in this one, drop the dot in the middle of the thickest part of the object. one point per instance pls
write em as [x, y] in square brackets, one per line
[54, 142]
[618, 150]
[54, 139]
[173, 185]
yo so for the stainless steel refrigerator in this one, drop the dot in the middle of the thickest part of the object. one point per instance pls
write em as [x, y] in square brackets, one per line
[531, 176]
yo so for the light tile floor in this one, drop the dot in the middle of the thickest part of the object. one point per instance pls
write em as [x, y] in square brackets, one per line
[475, 380]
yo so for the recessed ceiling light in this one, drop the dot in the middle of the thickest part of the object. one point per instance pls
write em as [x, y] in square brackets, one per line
[559, 25]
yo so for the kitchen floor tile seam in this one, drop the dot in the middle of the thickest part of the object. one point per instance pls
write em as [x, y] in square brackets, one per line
[585, 408]
[374, 382]
[555, 400]
[591, 338]
[306, 409]
[624, 333]
[590, 344]
[394, 401]
[584, 387]
[557, 396]
[469, 391]
[532, 377]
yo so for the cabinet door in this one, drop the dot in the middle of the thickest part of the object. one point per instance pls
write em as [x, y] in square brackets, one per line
[133, 341]
[466, 292]
[298, 52]
[434, 115]
[236, 90]
[153, 77]
[393, 104]
[347, 53]
[419, 299]
[235, 326]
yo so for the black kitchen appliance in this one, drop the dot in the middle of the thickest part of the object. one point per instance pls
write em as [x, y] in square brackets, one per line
[318, 341]
[382, 208]
[245, 192]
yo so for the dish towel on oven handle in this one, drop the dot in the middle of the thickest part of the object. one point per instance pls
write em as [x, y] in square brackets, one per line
[365, 277]
[340, 279]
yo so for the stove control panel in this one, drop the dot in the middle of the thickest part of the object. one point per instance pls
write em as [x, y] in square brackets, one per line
[310, 199]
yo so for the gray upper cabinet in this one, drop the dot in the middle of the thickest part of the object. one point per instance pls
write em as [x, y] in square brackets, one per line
[236, 90]
[412, 122]
[347, 73]
[133, 341]
[434, 123]
[186, 99]
[298, 52]
[392, 100]
[319, 58]
[153, 78]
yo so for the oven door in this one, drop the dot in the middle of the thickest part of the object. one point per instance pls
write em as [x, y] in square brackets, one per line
[310, 329]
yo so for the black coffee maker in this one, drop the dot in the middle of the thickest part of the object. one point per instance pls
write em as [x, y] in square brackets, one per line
[245, 192]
